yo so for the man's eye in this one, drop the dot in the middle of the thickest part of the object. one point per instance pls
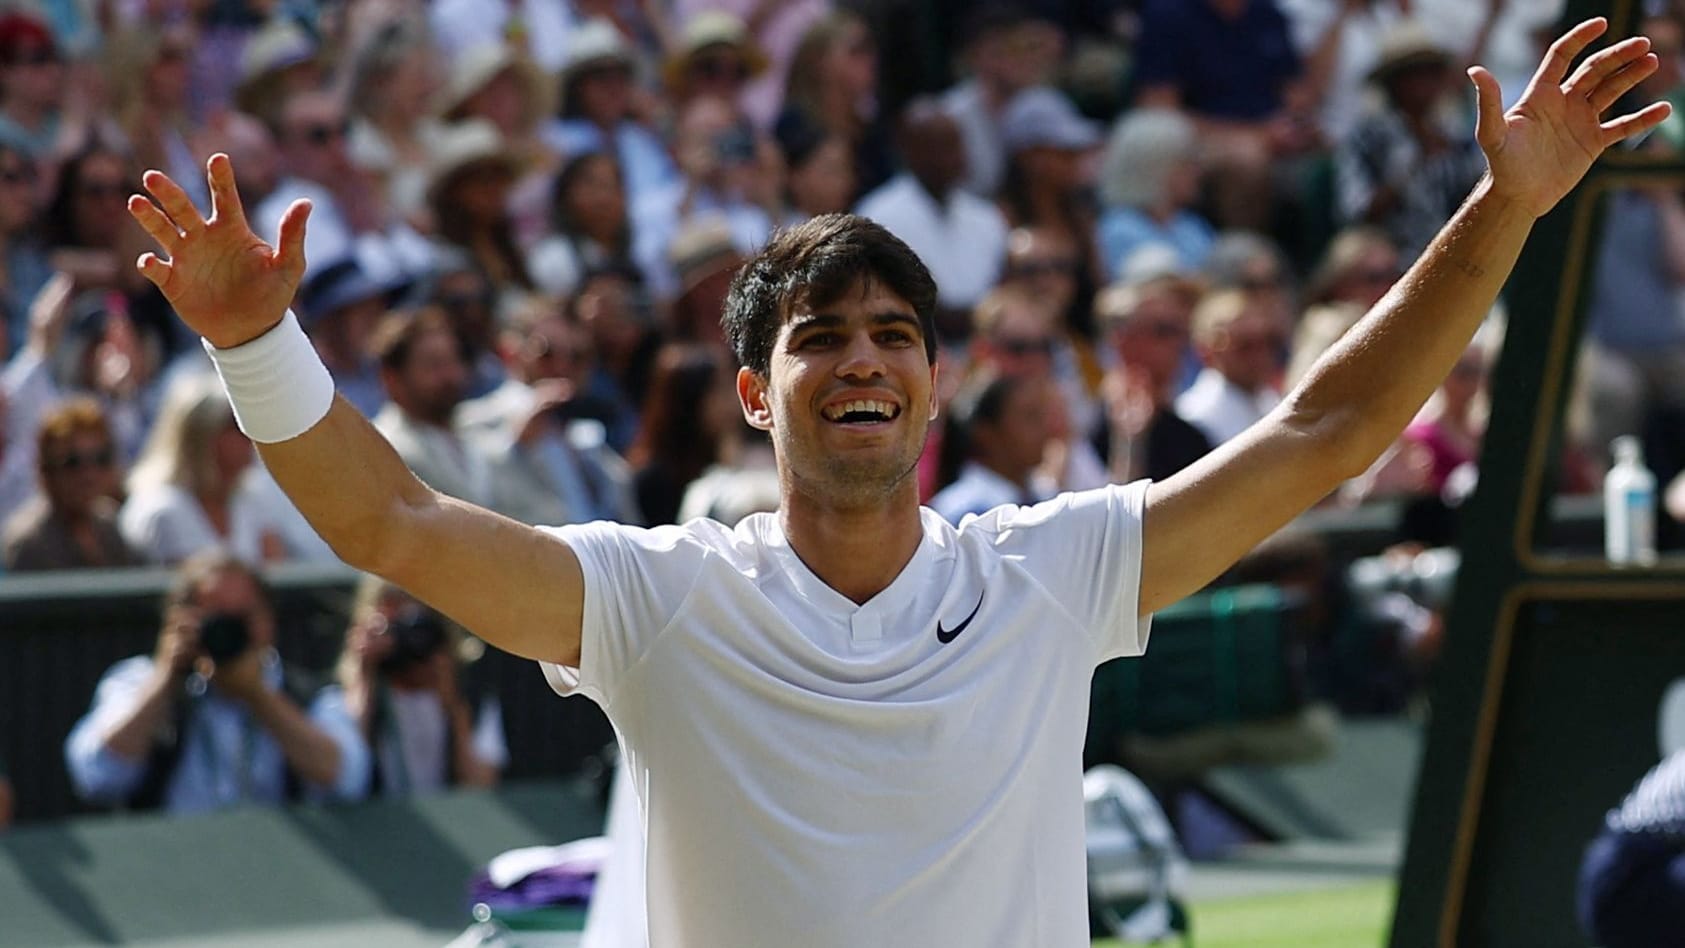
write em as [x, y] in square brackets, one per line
[818, 339]
[895, 337]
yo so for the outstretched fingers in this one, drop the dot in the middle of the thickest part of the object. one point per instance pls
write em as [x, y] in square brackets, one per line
[1636, 123]
[155, 223]
[154, 268]
[225, 194]
[1489, 109]
[1600, 65]
[289, 243]
[1565, 50]
[1610, 90]
[174, 201]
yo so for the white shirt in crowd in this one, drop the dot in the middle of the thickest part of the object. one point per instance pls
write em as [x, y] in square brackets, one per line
[166, 524]
[1221, 410]
[979, 489]
[903, 771]
[962, 240]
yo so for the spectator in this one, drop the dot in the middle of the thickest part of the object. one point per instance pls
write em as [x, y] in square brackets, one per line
[339, 305]
[1241, 340]
[72, 522]
[249, 144]
[24, 268]
[1047, 180]
[690, 423]
[212, 718]
[1447, 431]
[959, 236]
[1408, 167]
[392, 91]
[28, 391]
[1231, 65]
[714, 58]
[832, 91]
[278, 61]
[619, 321]
[32, 84]
[1146, 324]
[424, 368]
[461, 289]
[1149, 184]
[349, 214]
[1360, 265]
[598, 113]
[194, 486]
[1339, 42]
[704, 258]
[551, 463]
[1007, 50]
[148, 73]
[589, 225]
[718, 154]
[490, 84]
[1048, 263]
[998, 430]
[820, 176]
[7, 798]
[1630, 894]
[538, 29]
[468, 191]
[399, 686]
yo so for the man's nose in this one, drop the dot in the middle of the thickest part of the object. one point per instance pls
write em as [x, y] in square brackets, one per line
[861, 358]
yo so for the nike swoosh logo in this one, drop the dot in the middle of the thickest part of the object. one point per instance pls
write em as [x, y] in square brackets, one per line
[948, 635]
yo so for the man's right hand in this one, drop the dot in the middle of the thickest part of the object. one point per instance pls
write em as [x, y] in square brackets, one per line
[178, 642]
[224, 281]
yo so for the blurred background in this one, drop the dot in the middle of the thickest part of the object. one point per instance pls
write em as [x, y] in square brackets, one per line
[1146, 219]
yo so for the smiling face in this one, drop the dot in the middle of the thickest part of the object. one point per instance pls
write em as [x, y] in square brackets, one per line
[848, 397]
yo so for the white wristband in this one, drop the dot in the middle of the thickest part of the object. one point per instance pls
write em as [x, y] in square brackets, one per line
[277, 384]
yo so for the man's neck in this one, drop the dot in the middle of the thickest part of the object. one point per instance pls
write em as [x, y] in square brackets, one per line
[856, 552]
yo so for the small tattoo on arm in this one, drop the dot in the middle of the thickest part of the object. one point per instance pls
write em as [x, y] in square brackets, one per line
[1471, 269]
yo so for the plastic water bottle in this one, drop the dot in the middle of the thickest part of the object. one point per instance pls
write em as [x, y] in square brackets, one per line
[1629, 506]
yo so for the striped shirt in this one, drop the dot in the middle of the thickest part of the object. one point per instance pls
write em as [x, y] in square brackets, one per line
[1657, 805]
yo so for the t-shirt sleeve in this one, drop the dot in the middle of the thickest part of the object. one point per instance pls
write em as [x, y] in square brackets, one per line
[1084, 548]
[1159, 55]
[635, 581]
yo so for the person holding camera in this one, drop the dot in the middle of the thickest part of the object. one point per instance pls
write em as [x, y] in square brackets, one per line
[211, 719]
[399, 687]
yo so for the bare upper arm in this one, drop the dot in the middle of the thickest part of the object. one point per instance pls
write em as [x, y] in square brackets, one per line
[1201, 521]
[1158, 96]
[516, 586]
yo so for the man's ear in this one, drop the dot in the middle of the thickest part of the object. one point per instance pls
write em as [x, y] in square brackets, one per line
[935, 390]
[752, 394]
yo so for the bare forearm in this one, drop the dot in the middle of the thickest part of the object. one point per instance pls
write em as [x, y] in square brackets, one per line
[132, 738]
[310, 752]
[1372, 382]
[347, 481]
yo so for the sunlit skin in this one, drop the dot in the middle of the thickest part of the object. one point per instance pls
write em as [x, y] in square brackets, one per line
[522, 590]
[847, 486]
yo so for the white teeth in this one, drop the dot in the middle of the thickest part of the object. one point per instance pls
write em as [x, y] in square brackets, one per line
[886, 409]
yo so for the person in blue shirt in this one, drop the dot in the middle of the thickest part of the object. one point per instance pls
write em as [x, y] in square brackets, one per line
[207, 721]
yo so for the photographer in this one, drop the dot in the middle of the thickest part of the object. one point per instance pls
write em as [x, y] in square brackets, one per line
[400, 688]
[210, 719]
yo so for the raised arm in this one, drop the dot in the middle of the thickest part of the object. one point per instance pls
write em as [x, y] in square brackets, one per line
[1367, 387]
[515, 586]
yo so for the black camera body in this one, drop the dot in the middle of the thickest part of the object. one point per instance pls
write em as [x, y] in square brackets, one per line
[224, 635]
[417, 635]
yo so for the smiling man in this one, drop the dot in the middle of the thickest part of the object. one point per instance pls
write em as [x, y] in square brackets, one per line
[850, 722]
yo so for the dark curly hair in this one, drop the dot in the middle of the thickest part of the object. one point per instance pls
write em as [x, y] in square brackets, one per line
[815, 263]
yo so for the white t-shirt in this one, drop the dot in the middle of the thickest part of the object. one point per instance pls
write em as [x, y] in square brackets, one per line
[821, 773]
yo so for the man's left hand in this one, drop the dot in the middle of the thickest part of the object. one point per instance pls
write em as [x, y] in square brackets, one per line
[1543, 146]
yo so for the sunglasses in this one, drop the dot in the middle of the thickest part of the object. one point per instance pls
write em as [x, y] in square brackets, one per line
[324, 133]
[1038, 268]
[103, 458]
[712, 68]
[1025, 347]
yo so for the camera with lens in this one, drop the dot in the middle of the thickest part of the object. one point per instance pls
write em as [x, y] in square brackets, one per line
[224, 635]
[417, 635]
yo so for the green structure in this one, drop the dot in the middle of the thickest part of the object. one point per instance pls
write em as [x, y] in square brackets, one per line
[1545, 708]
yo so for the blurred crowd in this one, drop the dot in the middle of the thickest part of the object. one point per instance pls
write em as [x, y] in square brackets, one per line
[1146, 219]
